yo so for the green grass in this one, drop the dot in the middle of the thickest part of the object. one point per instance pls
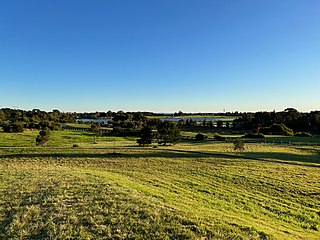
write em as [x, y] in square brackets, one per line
[268, 138]
[60, 139]
[82, 126]
[186, 191]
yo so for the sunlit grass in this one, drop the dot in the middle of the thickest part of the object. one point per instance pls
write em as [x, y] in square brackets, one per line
[116, 190]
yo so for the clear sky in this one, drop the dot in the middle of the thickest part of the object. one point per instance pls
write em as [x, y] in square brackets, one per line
[160, 55]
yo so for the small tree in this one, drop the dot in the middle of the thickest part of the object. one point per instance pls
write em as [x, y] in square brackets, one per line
[96, 129]
[146, 136]
[238, 145]
[200, 137]
[168, 132]
[43, 137]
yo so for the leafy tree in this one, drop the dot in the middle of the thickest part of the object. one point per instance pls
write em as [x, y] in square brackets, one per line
[168, 132]
[96, 129]
[238, 145]
[13, 127]
[43, 137]
[2, 116]
[146, 136]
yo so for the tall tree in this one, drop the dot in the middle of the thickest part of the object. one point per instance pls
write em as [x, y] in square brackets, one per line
[146, 136]
[168, 132]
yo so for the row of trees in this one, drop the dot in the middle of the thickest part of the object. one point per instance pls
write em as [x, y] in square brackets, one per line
[16, 120]
[166, 132]
[291, 118]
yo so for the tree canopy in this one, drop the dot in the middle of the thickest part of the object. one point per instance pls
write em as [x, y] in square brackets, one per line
[168, 132]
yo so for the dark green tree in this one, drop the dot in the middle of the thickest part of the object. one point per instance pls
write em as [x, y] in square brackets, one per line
[200, 137]
[2, 116]
[168, 132]
[13, 127]
[43, 137]
[146, 136]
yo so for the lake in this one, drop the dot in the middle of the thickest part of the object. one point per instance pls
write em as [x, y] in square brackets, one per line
[85, 120]
[172, 119]
[197, 119]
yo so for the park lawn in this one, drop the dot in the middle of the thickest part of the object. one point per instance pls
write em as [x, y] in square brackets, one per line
[186, 191]
[63, 139]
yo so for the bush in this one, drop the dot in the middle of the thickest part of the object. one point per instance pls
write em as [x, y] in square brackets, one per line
[75, 145]
[201, 137]
[251, 135]
[238, 145]
[302, 134]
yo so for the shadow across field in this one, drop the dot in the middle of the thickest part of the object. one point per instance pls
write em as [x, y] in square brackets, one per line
[315, 158]
[281, 158]
[119, 154]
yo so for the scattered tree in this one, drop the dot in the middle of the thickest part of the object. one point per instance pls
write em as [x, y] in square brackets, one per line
[168, 132]
[96, 129]
[146, 136]
[200, 137]
[43, 137]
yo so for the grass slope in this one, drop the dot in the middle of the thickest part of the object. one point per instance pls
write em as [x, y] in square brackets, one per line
[187, 191]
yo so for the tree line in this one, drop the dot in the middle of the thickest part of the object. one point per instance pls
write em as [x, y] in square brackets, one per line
[16, 120]
[290, 120]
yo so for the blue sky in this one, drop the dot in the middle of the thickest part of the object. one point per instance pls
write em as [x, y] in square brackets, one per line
[162, 56]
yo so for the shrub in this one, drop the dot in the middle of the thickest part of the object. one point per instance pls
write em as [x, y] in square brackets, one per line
[238, 145]
[75, 145]
[43, 137]
[201, 137]
[251, 135]
[302, 134]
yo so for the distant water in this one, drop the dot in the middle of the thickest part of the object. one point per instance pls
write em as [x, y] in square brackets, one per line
[85, 120]
[177, 119]
[172, 119]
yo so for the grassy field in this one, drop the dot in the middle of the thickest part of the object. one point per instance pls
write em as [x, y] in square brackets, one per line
[117, 190]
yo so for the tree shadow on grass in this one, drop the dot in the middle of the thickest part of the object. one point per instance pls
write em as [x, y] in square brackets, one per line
[286, 158]
[119, 154]
[281, 158]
